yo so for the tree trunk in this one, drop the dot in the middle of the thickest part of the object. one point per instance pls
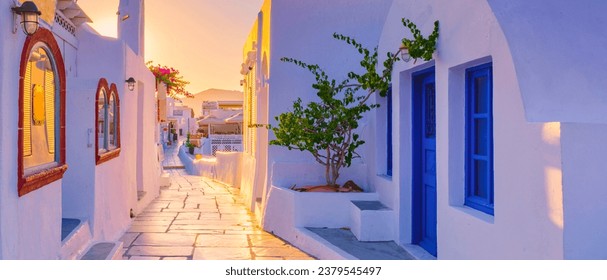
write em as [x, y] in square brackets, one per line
[332, 173]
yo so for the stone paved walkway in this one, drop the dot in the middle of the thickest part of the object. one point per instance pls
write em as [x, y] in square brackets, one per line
[198, 219]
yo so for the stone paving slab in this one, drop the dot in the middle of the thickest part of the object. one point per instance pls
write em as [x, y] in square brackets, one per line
[198, 219]
[188, 216]
[273, 243]
[165, 239]
[168, 251]
[128, 238]
[165, 223]
[140, 258]
[219, 253]
[278, 252]
[137, 228]
[229, 241]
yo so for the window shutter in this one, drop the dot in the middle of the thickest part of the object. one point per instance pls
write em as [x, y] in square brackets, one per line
[27, 111]
[49, 88]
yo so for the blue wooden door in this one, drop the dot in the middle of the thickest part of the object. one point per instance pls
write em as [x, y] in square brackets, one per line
[425, 162]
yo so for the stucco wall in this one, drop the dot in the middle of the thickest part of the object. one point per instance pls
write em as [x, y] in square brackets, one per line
[559, 51]
[528, 190]
[30, 226]
[78, 185]
[584, 178]
[148, 168]
[6, 143]
[303, 30]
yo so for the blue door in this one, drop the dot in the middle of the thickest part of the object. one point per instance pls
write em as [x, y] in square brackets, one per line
[424, 179]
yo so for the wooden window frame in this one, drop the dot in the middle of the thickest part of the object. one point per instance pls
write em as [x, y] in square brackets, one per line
[483, 204]
[111, 90]
[31, 182]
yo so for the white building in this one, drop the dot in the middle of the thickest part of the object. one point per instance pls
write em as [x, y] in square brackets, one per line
[211, 99]
[508, 165]
[62, 124]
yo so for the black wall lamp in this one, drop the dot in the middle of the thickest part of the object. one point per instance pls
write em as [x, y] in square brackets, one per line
[131, 83]
[30, 17]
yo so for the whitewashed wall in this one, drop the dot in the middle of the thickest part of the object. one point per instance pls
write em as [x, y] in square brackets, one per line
[559, 52]
[584, 190]
[303, 30]
[528, 221]
[30, 226]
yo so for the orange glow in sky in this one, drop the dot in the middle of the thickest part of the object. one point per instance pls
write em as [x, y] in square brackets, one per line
[203, 39]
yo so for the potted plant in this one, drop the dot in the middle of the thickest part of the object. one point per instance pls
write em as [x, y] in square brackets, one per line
[174, 132]
[327, 128]
[189, 145]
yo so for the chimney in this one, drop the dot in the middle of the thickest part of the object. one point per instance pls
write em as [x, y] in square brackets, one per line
[131, 24]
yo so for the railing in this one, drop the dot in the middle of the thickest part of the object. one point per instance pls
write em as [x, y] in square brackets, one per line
[65, 23]
[226, 143]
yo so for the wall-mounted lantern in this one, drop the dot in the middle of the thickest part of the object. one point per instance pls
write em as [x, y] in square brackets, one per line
[404, 53]
[30, 17]
[131, 83]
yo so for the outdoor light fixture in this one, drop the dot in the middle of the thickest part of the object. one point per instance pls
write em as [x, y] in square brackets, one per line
[404, 53]
[131, 83]
[251, 59]
[29, 17]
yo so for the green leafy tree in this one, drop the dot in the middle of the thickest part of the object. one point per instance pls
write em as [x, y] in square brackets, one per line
[327, 128]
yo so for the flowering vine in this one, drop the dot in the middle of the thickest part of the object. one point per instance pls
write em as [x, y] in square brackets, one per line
[171, 77]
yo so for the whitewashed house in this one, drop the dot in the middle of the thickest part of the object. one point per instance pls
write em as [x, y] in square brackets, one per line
[506, 160]
[69, 177]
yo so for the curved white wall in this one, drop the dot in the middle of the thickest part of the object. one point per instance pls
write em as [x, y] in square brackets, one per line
[560, 52]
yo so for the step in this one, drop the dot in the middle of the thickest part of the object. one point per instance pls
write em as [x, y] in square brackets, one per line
[172, 167]
[75, 238]
[104, 251]
[372, 221]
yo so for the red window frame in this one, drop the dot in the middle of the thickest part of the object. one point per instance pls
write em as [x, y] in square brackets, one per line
[29, 183]
[110, 90]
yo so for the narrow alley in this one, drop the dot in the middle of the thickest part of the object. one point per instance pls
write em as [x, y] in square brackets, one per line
[198, 219]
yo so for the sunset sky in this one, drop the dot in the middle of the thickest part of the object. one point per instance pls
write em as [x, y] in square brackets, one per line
[201, 38]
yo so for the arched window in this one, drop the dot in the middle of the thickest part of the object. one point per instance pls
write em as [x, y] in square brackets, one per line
[107, 122]
[41, 134]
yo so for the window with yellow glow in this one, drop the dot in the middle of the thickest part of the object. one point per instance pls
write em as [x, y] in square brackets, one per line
[41, 132]
[39, 111]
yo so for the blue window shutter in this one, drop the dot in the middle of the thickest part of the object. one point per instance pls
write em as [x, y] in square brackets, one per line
[389, 132]
[479, 138]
